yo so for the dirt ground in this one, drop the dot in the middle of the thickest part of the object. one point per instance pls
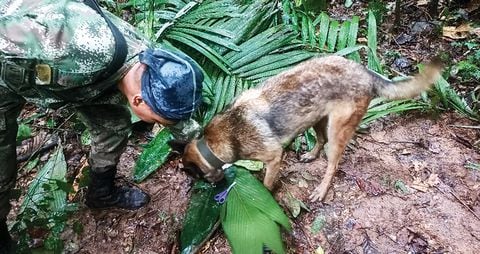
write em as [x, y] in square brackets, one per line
[368, 210]
[403, 186]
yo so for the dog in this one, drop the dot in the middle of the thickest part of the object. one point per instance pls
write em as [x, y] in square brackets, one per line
[330, 94]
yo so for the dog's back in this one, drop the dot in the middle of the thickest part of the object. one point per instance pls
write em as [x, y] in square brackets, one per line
[297, 98]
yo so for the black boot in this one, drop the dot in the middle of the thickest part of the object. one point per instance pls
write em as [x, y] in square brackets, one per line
[7, 246]
[102, 193]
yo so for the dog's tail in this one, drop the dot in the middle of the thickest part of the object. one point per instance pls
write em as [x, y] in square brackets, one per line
[411, 87]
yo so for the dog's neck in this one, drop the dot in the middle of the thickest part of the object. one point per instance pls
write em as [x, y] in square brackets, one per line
[208, 154]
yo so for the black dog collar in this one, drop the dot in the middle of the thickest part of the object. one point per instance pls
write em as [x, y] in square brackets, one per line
[211, 158]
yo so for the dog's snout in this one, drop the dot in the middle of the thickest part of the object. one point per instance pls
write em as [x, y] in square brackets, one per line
[214, 176]
[192, 170]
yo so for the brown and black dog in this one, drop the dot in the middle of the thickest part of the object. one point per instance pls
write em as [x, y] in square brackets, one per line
[330, 94]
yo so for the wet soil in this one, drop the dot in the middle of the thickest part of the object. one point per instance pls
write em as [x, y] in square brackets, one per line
[402, 188]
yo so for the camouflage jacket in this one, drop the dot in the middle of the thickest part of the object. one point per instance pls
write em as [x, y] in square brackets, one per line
[69, 36]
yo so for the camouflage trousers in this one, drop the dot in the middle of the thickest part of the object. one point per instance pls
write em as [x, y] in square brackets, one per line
[107, 119]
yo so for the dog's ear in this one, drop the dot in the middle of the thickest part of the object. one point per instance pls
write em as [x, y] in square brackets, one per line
[177, 146]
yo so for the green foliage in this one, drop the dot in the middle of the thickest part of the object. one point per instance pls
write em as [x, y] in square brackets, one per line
[327, 36]
[378, 9]
[31, 164]
[249, 164]
[323, 33]
[85, 138]
[153, 156]
[202, 216]
[473, 166]
[45, 206]
[450, 99]
[379, 108]
[315, 5]
[373, 61]
[24, 132]
[51, 123]
[251, 216]
[468, 70]
[401, 187]
[348, 3]
[318, 223]
[295, 205]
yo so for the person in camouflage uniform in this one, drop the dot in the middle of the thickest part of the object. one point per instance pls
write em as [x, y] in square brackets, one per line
[54, 52]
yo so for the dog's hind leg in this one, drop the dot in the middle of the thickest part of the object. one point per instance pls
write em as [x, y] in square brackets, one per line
[321, 136]
[343, 122]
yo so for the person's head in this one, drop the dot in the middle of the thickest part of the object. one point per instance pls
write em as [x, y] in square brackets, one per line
[165, 87]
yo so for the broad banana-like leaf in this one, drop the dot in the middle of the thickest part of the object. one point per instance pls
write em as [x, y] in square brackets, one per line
[202, 217]
[44, 189]
[153, 156]
[251, 217]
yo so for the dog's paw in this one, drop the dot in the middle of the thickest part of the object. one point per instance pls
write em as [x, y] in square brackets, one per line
[307, 157]
[318, 194]
[314, 197]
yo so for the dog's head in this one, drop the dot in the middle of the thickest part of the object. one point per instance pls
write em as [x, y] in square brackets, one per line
[197, 166]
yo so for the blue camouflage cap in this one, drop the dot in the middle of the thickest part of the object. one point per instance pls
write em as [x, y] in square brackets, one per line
[171, 83]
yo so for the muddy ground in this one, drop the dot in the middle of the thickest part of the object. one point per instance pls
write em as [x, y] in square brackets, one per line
[404, 185]
[402, 188]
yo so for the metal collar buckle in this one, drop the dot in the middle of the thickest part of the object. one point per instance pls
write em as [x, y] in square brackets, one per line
[43, 74]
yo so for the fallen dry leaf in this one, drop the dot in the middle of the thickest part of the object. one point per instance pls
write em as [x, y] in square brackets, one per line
[422, 2]
[419, 185]
[433, 180]
[371, 188]
[456, 33]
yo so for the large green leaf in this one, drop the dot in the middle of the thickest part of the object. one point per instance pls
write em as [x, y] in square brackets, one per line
[251, 216]
[332, 35]
[323, 30]
[373, 61]
[379, 108]
[24, 132]
[352, 37]
[199, 46]
[44, 190]
[343, 35]
[273, 62]
[153, 156]
[202, 217]
[45, 204]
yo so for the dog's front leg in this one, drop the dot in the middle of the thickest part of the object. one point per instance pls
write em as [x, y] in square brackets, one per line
[272, 169]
